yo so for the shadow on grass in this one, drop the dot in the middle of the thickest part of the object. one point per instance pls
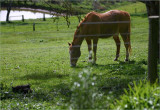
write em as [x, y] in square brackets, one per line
[121, 68]
[144, 15]
[17, 23]
[120, 75]
[43, 76]
[56, 94]
[124, 68]
[116, 77]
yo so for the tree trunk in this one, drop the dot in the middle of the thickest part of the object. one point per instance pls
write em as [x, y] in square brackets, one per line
[153, 50]
[153, 57]
[8, 10]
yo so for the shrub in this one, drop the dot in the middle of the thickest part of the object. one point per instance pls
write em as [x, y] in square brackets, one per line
[84, 91]
[143, 96]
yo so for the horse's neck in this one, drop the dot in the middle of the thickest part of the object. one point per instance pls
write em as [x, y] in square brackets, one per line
[78, 40]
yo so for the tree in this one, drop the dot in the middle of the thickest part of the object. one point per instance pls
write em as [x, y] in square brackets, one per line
[9, 2]
[67, 5]
[153, 15]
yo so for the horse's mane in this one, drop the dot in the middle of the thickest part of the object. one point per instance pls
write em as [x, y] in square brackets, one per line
[84, 20]
[78, 27]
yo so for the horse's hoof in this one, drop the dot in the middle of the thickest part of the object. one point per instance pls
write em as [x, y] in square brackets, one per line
[126, 60]
[115, 59]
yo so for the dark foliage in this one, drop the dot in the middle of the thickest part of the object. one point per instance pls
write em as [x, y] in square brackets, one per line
[22, 89]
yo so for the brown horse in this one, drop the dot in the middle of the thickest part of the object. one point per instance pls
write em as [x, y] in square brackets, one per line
[101, 25]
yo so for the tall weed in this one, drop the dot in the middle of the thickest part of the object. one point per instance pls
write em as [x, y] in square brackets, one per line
[85, 94]
[143, 96]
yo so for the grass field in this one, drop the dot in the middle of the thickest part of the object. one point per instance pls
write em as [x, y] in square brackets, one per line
[41, 59]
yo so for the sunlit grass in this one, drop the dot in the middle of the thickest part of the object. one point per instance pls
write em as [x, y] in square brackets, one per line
[41, 59]
[133, 8]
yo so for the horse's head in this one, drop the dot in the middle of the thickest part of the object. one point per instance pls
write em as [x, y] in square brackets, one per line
[75, 53]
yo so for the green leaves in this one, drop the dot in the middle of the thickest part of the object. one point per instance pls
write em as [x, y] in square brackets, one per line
[142, 96]
[85, 94]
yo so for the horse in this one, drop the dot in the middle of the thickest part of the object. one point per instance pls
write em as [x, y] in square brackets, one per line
[101, 25]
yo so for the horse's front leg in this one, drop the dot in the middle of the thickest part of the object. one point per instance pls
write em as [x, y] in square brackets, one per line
[95, 41]
[117, 41]
[89, 43]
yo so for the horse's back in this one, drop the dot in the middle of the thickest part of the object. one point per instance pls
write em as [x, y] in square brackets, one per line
[106, 24]
[91, 24]
[115, 22]
[114, 15]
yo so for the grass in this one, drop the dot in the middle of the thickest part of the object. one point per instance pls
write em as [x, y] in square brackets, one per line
[133, 8]
[41, 59]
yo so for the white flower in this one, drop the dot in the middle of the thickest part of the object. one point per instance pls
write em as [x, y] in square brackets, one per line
[79, 75]
[135, 98]
[150, 102]
[77, 84]
[126, 106]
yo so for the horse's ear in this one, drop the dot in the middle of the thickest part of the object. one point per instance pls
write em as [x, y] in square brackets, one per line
[69, 43]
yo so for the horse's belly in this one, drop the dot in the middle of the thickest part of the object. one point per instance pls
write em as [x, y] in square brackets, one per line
[108, 30]
[106, 36]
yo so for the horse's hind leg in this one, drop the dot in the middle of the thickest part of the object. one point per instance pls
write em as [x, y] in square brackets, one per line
[117, 41]
[126, 39]
[95, 41]
[89, 43]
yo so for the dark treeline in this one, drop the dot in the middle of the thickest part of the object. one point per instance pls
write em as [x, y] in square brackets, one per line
[59, 6]
[67, 7]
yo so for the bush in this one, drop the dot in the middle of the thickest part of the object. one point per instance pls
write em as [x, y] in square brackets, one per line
[143, 96]
[85, 94]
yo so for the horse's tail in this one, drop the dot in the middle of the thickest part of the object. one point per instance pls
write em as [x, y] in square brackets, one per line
[129, 48]
[128, 24]
[126, 31]
[129, 34]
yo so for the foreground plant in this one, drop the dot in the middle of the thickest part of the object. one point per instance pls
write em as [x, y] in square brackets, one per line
[85, 94]
[142, 96]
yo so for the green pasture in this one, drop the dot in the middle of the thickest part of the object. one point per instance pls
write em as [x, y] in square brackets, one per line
[41, 58]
